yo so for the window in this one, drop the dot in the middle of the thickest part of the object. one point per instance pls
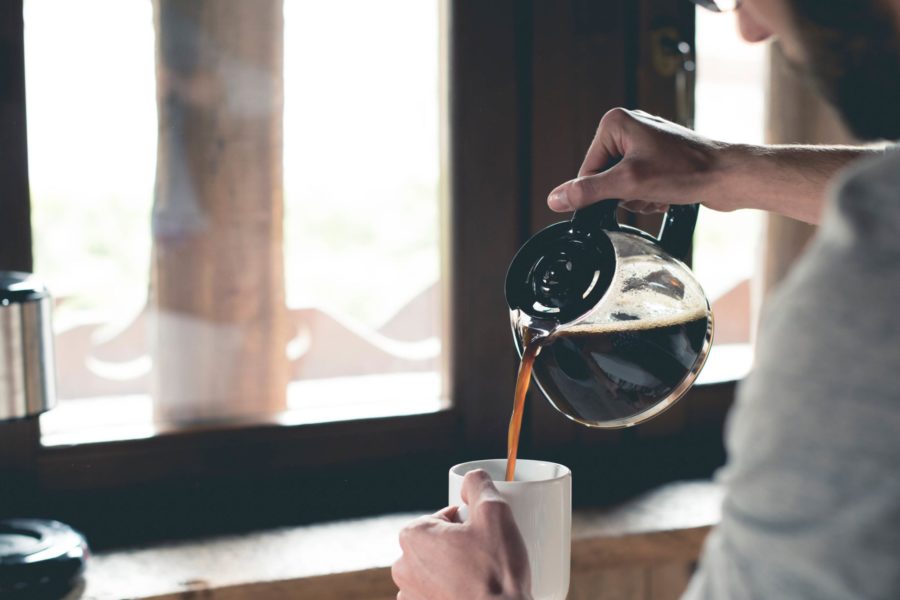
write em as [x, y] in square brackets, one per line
[359, 333]
[419, 135]
[730, 106]
[397, 411]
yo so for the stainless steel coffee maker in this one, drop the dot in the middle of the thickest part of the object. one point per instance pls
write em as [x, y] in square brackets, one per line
[27, 376]
[39, 558]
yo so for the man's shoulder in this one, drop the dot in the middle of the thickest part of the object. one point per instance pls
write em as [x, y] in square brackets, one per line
[877, 167]
[863, 208]
[829, 339]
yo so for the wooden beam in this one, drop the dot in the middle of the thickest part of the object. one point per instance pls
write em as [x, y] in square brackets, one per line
[579, 72]
[485, 207]
[218, 267]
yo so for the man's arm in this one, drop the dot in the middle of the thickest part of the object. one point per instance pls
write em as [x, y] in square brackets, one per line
[650, 163]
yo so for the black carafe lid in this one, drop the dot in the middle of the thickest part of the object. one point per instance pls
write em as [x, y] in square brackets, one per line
[39, 558]
[563, 271]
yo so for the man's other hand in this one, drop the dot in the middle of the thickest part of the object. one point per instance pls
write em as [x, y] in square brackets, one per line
[484, 557]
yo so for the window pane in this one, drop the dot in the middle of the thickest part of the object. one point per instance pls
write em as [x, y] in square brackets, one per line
[194, 200]
[361, 194]
[730, 106]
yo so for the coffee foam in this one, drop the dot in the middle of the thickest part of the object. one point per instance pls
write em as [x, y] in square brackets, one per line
[588, 328]
[630, 306]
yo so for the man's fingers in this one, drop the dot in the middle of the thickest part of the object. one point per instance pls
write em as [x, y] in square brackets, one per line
[600, 157]
[417, 528]
[398, 572]
[477, 486]
[615, 182]
[450, 514]
[484, 501]
[644, 208]
[401, 595]
[605, 149]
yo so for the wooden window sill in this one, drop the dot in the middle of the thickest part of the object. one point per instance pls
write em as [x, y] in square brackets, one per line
[655, 538]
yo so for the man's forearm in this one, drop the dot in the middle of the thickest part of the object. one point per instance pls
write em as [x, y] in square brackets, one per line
[787, 180]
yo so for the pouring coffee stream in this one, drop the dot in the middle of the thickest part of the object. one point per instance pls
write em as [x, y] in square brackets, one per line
[609, 321]
[529, 354]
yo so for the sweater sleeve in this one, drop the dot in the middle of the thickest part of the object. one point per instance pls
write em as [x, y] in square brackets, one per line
[812, 503]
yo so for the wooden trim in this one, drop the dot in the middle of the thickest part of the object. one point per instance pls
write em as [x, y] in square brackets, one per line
[265, 449]
[656, 93]
[371, 584]
[645, 549]
[579, 72]
[619, 561]
[15, 234]
[484, 114]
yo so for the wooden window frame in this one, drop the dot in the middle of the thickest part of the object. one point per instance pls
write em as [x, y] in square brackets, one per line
[506, 58]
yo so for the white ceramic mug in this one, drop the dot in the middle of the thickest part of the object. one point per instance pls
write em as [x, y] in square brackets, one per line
[541, 502]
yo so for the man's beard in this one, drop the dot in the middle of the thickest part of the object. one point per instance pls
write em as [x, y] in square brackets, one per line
[853, 57]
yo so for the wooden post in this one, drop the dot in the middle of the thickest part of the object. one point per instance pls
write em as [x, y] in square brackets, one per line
[217, 281]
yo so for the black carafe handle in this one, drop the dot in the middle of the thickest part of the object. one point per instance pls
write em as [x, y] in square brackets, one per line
[677, 231]
[599, 216]
[675, 236]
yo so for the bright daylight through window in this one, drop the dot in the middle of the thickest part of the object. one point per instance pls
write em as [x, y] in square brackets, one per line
[730, 106]
[358, 308]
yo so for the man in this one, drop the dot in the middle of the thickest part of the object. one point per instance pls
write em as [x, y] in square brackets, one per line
[812, 505]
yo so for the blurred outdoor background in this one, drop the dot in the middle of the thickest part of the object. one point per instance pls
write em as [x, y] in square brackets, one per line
[362, 196]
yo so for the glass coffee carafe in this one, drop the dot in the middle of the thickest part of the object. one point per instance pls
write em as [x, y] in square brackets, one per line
[623, 326]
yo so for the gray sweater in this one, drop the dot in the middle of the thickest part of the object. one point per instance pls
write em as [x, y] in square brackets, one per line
[812, 505]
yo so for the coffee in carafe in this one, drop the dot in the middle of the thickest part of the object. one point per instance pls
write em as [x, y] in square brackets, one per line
[608, 373]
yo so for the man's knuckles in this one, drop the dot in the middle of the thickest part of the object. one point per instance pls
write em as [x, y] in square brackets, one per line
[475, 484]
[493, 510]
[400, 572]
[414, 531]
[615, 118]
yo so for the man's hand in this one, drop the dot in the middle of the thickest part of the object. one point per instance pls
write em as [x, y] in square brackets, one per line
[646, 161]
[649, 163]
[485, 557]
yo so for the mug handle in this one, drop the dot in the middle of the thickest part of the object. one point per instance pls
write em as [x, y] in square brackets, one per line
[677, 231]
